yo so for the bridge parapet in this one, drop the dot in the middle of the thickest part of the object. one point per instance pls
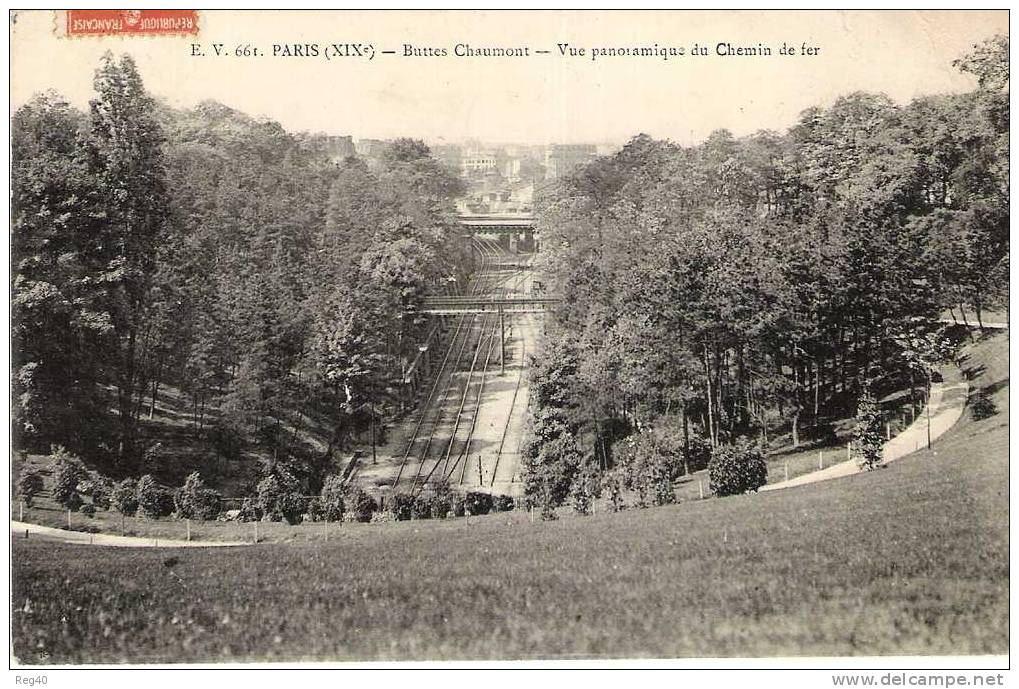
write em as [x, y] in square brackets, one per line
[443, 306]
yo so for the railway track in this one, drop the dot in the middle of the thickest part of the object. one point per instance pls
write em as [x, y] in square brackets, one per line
[436, 416]
[512, 282]
[444, 375]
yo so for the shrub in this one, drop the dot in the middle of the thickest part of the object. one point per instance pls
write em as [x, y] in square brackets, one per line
[359, 505]
[124, 497]
[29, 485]
[457, 506]
[314, 512]
[585, 485]
[195, 501]
[478, 503]
[68, 474]
[661, 488]
[982, 406]
[737, 468]
[550, 459]
[649, 471]
[612, 485]
[867, 436]
[402, 506]
[292, 507]
[74, 502]
[250, 511]
[278, 499]
[697, 453]
[88, 509]
[547, 512]
[502, 503]
[332, 498]
[442, 501]
[97, 488]
[382, 516]
[153, 499]
[422, 507]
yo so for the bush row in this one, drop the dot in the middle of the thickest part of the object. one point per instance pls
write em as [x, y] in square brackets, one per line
[276, 498]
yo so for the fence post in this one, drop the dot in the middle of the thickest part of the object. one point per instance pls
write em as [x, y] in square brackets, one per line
[849, 451]
[820, 459]
[26, 534]
[122, 520]
[21, 510]
[787, 470]
[256, 530]
[888, 430]
[700, 488]
[68, 520]
[187, 525]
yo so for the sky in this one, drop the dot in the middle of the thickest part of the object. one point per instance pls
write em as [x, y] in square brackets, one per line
[533, 100]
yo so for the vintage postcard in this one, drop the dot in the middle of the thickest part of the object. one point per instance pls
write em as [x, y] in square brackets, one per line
[533, 336]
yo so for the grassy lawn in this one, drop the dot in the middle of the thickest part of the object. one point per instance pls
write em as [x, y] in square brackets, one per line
[911, 559]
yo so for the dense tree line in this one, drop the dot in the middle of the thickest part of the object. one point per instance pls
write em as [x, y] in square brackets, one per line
[218, 256]
[748, 285]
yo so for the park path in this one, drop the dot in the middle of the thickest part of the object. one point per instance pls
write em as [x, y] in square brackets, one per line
[945, 406]
[19, 529]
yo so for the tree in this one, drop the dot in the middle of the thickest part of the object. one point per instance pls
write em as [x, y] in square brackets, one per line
[123, 153]
[195, 501]
[332, 498]
[29, 485]
[988, 62]
[551, 460]
[867, 438]
[737, 468]
[585, 488]
[649, 469]
[153, 499]
[124, 497]
[278, 498]
[67, 474]
[57, 321]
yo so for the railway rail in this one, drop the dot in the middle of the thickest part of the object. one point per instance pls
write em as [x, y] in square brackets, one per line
[436, 420]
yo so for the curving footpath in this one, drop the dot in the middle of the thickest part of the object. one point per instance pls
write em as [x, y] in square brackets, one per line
[945, 406]
[18, 530]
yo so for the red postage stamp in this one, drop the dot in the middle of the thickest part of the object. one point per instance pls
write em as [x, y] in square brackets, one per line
[129, 22]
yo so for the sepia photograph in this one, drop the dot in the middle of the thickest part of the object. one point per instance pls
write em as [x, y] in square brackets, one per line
[347, 337]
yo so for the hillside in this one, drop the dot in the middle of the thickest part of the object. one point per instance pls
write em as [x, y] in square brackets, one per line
[912, 559]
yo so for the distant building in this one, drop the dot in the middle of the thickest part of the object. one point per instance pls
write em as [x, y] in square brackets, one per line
[510, 168]
[562, 159]
[477, 163]
[339, 148]
[370, 148]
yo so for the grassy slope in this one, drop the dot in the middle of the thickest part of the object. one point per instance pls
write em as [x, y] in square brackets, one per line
[912, 559]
